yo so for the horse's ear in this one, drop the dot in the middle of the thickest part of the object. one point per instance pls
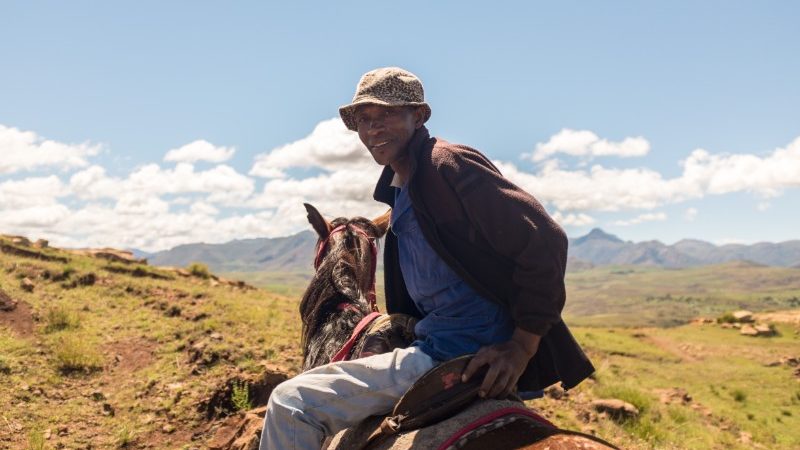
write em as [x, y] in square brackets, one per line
[382, 222]
[321, 226]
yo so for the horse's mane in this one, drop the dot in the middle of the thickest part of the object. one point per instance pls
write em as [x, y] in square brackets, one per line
[335, 301]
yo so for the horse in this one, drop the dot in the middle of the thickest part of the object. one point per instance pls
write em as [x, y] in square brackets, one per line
[339, 304]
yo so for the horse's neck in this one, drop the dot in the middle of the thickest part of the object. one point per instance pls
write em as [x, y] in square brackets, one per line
[332, 336]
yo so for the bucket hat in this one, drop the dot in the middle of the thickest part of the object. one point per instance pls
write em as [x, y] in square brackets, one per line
[389, 86]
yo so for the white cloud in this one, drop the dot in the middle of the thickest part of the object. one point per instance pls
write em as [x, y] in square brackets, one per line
[27, 192]
[572, 219]
[766, 176]
[648, 217]
[24, 150]
[200, 150]
[609, 189]
[330, 147]
[153, 207]
[222, 183]
[588, 144]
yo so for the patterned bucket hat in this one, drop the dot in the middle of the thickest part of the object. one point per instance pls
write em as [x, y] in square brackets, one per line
[390, 86]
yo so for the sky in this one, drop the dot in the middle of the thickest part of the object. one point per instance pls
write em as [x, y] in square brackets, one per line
[153, 124]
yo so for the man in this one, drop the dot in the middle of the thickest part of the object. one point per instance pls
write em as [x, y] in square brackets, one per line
[473, 256]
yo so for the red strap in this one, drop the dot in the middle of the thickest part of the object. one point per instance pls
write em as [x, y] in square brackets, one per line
[490, 417]
[342, 354]
[323, 245]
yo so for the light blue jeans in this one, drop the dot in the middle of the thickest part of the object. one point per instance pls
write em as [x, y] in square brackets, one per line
[325, 400]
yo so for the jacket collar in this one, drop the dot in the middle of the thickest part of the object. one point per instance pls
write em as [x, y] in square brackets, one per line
[384, 192]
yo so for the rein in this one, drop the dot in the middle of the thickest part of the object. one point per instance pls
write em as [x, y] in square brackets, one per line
[322, 248]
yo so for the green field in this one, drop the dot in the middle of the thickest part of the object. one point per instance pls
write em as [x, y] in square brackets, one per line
[147, 358]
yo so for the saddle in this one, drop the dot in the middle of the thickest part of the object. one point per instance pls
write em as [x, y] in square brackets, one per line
[437, 395]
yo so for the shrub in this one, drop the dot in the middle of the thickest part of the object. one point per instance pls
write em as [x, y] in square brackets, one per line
[36, 440]
[726, 318]
[240, 396]
[59, 318]
[125, 436]
[74, 354]
[199, 270]
[5, 368]
[739, 395]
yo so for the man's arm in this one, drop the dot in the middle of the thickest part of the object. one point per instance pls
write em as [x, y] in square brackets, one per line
[517, 227]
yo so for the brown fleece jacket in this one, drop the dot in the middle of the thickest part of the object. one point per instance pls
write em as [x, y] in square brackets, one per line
[499, 239]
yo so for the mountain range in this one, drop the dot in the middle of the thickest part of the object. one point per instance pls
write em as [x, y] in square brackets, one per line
[296, 252]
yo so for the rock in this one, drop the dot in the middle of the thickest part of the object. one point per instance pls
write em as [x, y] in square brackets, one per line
[20, 240]
[617, 409]
[555, 392]
[63, 430]
[97, 396]
[216, 336]
[743, 316]
[108, 410]
[41, 243]
[239, 432]
[47, 434]
[791, 361]
[27, 285]
[675, 395]
[6, 302]
[745, 438]
[168, 428]
[726, 325]
[764, 330]
[748, 330]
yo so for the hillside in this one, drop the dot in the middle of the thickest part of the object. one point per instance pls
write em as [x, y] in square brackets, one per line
[597, 248]
[102, 354]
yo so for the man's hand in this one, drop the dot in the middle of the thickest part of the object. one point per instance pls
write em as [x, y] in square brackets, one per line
[506, 363]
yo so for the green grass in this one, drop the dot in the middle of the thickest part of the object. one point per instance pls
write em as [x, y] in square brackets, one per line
[638, 344]
[634, 296]
[73, 353]
[60, 318]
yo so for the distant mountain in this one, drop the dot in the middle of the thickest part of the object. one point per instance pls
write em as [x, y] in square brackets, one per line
[295, 253]
[290, 253]
[601, 248]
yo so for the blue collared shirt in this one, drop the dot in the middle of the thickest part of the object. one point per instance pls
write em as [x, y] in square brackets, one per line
[457, 320]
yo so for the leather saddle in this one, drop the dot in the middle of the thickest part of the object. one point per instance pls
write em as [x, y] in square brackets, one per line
[437, 395]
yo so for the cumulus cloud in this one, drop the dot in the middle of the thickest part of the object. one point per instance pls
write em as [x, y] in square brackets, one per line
[649, 217]
[154, 207]
[200, 150]
[767, 175]
[601, 188]
[572, 219]
[222, 183]
[587, 144]
[329, 147]
[25, 150]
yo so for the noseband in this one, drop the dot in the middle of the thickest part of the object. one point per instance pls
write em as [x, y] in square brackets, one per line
[322, 248]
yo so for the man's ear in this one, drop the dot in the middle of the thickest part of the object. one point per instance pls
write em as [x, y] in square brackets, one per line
[419, 117]
[382, 222]
[321, 226]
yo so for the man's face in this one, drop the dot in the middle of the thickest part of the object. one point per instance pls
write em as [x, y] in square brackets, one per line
[386, 130]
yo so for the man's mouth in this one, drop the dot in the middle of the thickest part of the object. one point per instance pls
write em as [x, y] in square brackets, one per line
[379, 144]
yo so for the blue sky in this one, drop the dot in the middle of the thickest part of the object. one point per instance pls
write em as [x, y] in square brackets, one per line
[93, 95]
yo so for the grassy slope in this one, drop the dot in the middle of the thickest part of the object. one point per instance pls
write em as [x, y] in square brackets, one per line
[641, 296]
[153, 385]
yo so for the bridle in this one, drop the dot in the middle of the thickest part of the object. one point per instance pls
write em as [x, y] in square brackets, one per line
[322, 247]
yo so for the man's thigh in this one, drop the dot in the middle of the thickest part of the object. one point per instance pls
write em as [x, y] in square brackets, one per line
[342, 394]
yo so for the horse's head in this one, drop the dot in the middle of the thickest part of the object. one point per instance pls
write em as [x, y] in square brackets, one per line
[347, 248]
[343, 288]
